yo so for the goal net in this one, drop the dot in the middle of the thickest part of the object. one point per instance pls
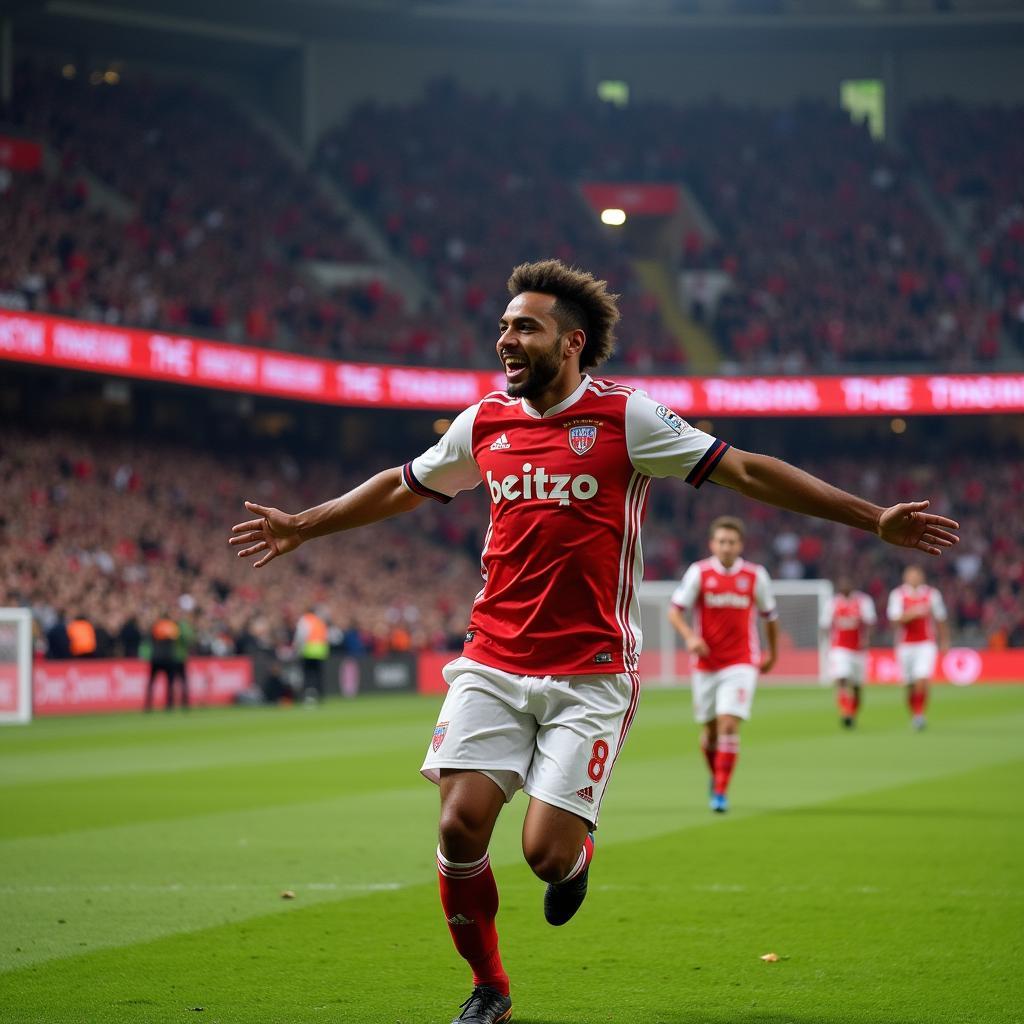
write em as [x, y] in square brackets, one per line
[802, 649]
[15, 665]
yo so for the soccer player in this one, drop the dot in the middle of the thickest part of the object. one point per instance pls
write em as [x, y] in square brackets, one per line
[544, 694]
[917, 613]
[722, 592]
[847, 617]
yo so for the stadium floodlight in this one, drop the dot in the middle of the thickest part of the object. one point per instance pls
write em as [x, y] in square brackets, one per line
[15, 666]
[614, 217]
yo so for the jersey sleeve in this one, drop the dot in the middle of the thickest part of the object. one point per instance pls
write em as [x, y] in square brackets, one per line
[938, 606]
[763, 596]
[685, 595]
[662, 444]
[867, 610]
[894, 609]
[827, 611]
[449, 467]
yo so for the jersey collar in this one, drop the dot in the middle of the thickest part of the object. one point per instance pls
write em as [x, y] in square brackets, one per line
[721, 569]
[566, 403]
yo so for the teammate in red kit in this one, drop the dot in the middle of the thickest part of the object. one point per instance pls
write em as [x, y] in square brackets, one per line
[847, 617]
[917, 613]
[723, 592]
[544, 694]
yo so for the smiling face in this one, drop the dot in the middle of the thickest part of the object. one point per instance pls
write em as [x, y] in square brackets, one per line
[538, 355]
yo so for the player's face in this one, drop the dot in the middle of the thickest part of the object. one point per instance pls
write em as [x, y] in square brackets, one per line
[726, 546]
[530, 345]
[912, 576]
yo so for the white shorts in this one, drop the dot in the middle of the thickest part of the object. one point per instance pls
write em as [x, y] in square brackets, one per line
[729, 691]
[846, 664]
[555, 738]
[917, 661]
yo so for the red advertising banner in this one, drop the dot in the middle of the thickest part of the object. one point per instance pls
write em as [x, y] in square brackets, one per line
[961, 666]
[638, 199]
[20, 154]
[126, 352]
[85, 686]
[8, 689]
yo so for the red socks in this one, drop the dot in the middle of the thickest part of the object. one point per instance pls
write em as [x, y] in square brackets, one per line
[725, 761]
[469, 897]
[849, 703]
[708, 750]
[917, 699]
[582, 862]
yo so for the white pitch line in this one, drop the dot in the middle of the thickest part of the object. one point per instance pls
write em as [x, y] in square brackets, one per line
[226, 887]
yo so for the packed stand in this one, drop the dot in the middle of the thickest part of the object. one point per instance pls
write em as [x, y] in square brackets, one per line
[466, 187]
[208, 232]
[123, 532]
[974, 158]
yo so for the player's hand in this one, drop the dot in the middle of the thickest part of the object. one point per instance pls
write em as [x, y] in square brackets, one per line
[908, 525]
[275, 532]
[698, 647]
[768, 662]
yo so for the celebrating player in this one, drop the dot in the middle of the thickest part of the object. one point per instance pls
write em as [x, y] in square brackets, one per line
[544, 694]
[847, 617]
[917, 613]
[722, 592]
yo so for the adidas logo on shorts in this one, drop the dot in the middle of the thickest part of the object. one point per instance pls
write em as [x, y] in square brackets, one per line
[586, 793]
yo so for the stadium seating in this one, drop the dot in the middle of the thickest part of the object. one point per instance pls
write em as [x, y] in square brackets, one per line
[128, 529]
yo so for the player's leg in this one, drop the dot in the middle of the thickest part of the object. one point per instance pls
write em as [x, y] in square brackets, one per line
[733, 701]
[584, 722]
[151, 683]
[847, 703]
[180, 668]
[470, 804]
[704, 686]
[479, 755]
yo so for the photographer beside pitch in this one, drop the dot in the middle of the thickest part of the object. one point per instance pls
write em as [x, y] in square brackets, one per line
[546, 689]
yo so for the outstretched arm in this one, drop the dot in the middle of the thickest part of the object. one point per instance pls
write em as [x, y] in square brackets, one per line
[777, 483]
[694, 641]
[277, 532]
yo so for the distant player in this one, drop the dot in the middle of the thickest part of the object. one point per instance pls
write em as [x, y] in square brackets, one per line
[847, 618]
[723, 592]
[545, 691]
[917, 613]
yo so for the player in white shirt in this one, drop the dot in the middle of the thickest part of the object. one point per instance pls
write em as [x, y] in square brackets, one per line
[918, 615]
[846, 619]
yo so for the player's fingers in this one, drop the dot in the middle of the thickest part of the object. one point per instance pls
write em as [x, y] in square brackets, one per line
[246, 538]
[259, 509]
[246, 552]
[933, 520]
[252, 524]
[269, 556]
[941, 542]
[934, 531]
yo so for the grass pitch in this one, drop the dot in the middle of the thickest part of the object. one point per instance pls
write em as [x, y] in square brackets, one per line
[142, 862]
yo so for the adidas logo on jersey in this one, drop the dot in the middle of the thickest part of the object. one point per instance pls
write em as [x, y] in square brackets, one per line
[586, 793]
[540, 485]
[501, 444]
[460, 919]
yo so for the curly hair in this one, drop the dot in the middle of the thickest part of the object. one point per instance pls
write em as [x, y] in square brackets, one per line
[583, 303]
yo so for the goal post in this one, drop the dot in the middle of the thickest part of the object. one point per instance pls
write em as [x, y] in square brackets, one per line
[15, 666]
[803, 651]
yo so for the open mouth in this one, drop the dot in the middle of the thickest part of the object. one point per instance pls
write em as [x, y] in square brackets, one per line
[515, 368]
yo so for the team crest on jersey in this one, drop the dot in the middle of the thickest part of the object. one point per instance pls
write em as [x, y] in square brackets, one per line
[582, 438]
[439, 733]
[742, 583]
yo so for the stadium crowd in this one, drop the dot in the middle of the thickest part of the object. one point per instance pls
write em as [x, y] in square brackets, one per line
[831, 255]
[123, 532]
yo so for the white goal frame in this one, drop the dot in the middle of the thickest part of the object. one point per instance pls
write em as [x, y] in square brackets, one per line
[22, 620]
[661, 640]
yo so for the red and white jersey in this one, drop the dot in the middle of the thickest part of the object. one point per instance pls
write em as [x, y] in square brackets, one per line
[924, 599]
[723, 602]
[847, 617]
[562, 560]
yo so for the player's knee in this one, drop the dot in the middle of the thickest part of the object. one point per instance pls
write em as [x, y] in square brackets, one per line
[549, 863]
[463, 833]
